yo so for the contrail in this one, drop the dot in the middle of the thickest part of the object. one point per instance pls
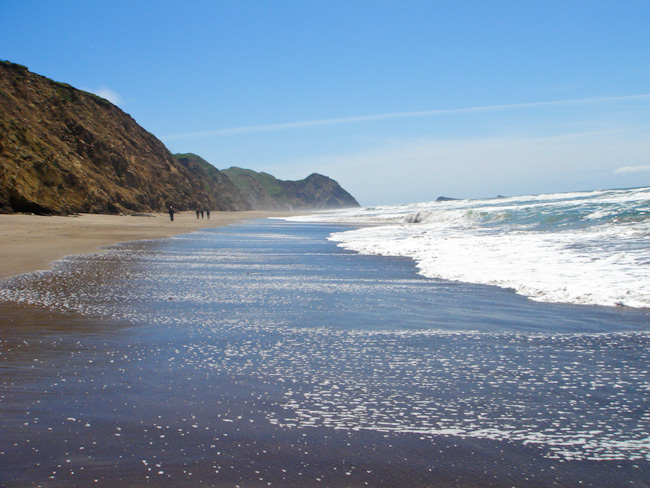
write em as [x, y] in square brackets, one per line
[400, 115]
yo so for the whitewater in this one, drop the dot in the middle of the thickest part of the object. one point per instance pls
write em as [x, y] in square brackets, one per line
[588, 248]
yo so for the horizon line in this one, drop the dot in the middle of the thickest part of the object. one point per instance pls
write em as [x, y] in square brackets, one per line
[397, 115]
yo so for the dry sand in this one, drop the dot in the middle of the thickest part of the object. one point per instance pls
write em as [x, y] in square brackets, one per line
[32, 242]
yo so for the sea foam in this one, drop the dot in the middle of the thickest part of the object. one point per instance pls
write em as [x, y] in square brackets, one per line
[584, 248]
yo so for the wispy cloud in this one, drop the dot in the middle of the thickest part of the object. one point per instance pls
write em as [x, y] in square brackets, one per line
[110, 95]
[422, 169]
[632, 169]
[401, 115]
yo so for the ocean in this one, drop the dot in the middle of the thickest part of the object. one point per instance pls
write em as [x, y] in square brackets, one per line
[587, 248]
[487, 343]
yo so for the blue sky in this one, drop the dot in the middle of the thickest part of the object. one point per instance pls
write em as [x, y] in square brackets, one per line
[400, 101]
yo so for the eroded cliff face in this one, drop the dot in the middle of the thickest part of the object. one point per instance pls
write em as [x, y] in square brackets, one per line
[63, 150]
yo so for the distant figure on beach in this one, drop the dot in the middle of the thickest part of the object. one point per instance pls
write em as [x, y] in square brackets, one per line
[197, 212]
[171, 213]
[202, 213]
[207, 213]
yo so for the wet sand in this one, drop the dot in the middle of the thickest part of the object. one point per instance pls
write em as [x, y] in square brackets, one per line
[263, 355]
[32, 242]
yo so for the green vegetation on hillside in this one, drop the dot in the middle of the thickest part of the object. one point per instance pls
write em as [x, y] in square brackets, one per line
[243, 177]
[266, 191]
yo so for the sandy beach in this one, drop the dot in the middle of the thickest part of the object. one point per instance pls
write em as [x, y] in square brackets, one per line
[265, 355]
[32, 242]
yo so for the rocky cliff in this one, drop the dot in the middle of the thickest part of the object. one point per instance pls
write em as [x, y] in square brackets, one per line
[63, 150]
[264, 191]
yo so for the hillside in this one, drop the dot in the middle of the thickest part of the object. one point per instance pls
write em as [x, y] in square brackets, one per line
[63, 151]
[264, 191]
[230, 196]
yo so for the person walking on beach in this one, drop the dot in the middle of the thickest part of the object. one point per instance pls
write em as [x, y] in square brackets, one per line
[207, 213]
[197, 212]
[171, 213]
[202, 212]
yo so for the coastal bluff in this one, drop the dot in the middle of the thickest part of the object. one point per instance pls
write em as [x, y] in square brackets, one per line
[264, 191]
[66, 151]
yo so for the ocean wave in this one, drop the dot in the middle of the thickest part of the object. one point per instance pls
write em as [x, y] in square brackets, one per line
[586, 248]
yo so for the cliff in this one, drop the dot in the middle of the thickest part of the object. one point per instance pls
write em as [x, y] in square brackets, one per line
[315, 192]
[63, 151]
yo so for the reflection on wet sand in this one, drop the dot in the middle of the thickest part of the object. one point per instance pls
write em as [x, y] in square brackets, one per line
[262, 354]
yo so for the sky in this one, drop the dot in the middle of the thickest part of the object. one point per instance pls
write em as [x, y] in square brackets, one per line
[399, 101]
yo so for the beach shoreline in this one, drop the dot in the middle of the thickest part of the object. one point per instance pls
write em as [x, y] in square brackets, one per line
[264, 353]
[31, 243]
